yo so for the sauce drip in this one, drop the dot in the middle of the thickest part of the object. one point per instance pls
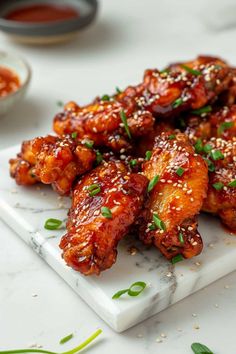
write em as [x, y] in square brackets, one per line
[9, 81]
[42, 13]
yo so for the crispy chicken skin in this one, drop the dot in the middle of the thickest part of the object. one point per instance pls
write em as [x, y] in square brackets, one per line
[176, 199]
[91, 241]
[101, 122]
[52, 160]
[221, 196]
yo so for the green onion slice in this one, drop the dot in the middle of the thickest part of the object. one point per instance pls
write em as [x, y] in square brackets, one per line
[94, 189]
[74, 135]
[152, 183]
[218, 186]
[134, 290]
[181, 238]
[105, 98]
[148, 155]
[99, 157]
[171, 137]
[199, 348]
[191, 71]
[158, 222]
[180, 171]
[133, 162]
[224, 126]
[88, 143]
[60, 104]
[177, 102]
[203, 110]
[207, 148]
[232, 184]
[118, 90]
[66, 338]
[124, 121]
[211, 166]
[52, 224]
[198, 146]
[106, 212]
[217, 155]
[177, 259]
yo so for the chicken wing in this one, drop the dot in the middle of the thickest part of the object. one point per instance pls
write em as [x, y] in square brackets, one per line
[178, 184]
[105, 204]
[52, 160]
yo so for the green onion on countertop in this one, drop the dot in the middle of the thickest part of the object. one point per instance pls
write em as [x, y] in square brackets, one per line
[134, 290]
[52, 224]
[199, 348]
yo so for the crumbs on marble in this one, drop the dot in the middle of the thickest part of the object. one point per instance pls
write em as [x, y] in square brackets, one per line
[14, 191]
[194, 314]
[133, 250]
[168, 274]
[35, 345]
[34, 295]
[226, 286]
[216, 306]
[179, 330]
[197, 264]
[196, 326]
[140, 335]
[210, 245]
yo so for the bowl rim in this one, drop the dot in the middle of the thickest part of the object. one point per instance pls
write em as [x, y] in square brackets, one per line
[28, 74]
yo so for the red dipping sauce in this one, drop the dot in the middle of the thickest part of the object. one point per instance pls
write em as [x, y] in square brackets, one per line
[9, 81]
[42, 13]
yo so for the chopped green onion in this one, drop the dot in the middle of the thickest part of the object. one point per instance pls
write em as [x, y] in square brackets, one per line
[106, 212]
[94, 189]
[191, 71]
[218, 186]
[133, 162]
[177, 259]
[60, 104]
[217, 155]
[52, 224]
[74, 135]
[203, 110]
[199, 348]
[134, 290]
[152, 183]
[211, 166]
[118, 90]
[66, 339]
[177, 102]
[88, 143]
[224, 126]
[232, 184]
[198, 146]
[171, 137]
[124, 120]
[181, 238]
[148, 155]
[158, 222]
[207, 148]
[152, 227]
[72, 351]
[165, 71]
[180, 171]
[99, 157]
[105, 98]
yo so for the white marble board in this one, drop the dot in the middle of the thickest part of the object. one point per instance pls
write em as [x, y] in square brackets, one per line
[25, 211]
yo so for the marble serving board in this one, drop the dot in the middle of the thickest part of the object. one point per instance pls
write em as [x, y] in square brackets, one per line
[25, 211]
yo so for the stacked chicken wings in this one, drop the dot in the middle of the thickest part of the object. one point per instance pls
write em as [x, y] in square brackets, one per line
[147, 159]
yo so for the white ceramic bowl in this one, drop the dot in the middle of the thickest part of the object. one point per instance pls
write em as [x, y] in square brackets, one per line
[22, 69]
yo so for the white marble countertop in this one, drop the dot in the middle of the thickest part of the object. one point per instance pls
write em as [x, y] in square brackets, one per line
[36, 306]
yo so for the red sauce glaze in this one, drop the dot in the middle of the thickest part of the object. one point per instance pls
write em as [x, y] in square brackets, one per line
[42, 13]
[9, 81]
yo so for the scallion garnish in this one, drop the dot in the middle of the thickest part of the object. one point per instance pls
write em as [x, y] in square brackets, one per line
[217, 155]
[199, 348]
[66, 338]
[224, 126]
[198, 146]
[94, 189]
[191, 71]
[177, 102]
[218, 186]
[171, 137]
[203, 110]
[74, 135]
[72, 351]
[106, 212]
[52, 224]
[181, 238]
[207, 148]
[180, 171]
[158, 222]
[133, 162]
[232, 183]
[99, 157]
[60, 104]
[118, 90]
[105, 98]
[152, 183]
[88, 143]
[148, 155]
[177, 259]
[134, 290]
[124, 121]
[211, 166]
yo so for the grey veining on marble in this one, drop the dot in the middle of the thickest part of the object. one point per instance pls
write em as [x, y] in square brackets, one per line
[25, 211]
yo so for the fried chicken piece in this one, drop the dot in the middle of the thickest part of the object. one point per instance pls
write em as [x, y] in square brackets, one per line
[220, 123]
[169, 217]
[221, 196]
[52, 160]
[102, 122]
[105, 203]
[228, 97]
[181, 87]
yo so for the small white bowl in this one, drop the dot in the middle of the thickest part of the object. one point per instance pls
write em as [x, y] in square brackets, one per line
[22, 69]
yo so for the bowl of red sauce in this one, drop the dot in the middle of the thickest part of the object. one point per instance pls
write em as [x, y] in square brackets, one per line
[15, 75]
[45, 21]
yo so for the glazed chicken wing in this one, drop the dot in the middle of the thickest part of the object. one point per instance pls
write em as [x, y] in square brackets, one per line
[105, 204]
[52, 160]
[178, 184]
